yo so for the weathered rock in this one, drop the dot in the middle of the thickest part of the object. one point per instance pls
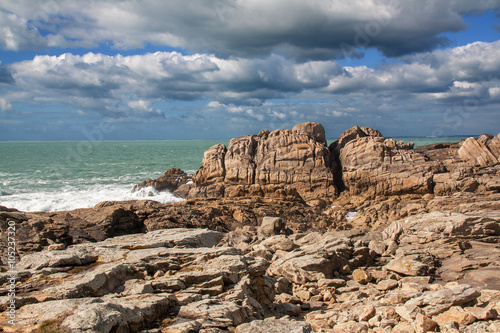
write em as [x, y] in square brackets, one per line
[274, 326]
[408, 265]
[361, 276]
[270, 226]
[212, 169]
[435, 302]
[373, 166]
[170, 181]
[477, 153]
[455, 314]
[126, 314]
[280, 163]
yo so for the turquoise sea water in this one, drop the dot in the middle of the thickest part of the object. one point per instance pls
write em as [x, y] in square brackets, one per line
[55, 176]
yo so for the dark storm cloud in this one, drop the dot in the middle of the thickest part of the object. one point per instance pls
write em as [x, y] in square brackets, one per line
[303, 30]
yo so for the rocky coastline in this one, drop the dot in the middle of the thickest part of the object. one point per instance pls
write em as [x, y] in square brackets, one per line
[278, 233]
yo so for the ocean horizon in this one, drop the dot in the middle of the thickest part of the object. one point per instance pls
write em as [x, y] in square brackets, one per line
[66, 175]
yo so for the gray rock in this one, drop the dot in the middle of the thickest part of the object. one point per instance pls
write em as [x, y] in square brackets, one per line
[274, 326]
[436, 302]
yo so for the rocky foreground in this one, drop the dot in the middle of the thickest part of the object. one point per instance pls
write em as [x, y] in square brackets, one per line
[279, 233]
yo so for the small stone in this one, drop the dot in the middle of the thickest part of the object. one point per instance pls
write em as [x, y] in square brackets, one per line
[449, 328]
[56, 247]
[327, 296]
[425, 323]
[455, 314]
[410, 286]
[361, 276]
[316, 298]
[403, 327]
[158, 274]
[375, 321]
[288, 309]
[366, 313]
[387, 285]
[287, 298]
[303, 295]
[331, 283]
[346, 269]
[408, 265]
[270, 226]
[377, 246]
[351, 327]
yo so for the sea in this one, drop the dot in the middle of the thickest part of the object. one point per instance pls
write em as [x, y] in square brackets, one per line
[65, 175]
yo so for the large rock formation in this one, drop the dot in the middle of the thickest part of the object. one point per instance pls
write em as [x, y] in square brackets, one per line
[281, 163]
[372, 165]
[297, 164]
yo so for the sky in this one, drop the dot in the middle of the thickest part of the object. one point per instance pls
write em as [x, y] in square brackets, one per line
[217, 69]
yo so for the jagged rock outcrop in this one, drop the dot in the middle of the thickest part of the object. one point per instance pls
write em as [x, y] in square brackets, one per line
[296, 164]
[485, 151]
[282, 163]
[373, 166]
[174, 180]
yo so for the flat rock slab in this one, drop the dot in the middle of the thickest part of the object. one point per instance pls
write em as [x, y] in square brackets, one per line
[274, 326]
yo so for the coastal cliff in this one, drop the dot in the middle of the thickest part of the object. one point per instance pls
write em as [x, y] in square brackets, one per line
[279, 232]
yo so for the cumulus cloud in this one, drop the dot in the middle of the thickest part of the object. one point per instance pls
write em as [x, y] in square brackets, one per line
[113, 83]
[319, 29]
[438, 74]
[250, 90]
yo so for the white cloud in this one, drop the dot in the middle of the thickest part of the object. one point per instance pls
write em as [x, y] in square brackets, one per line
[247, 89]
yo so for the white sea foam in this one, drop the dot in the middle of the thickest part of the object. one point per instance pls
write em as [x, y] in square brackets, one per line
[350, 216]
[70, 198]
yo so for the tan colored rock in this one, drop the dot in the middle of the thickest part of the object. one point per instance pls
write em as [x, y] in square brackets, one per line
[377, 166]
[408, 265]
[212, 169]
[477, 153]
[482, 313]
[435, 302]
[361, 276]
[315, 130]
[56, 247]
[366, 313]
[425, 323]
[387, 284]
[279, 163]
[455, 314]
[403, 327]
[351, 327]
[331, 283]
[271, 226]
